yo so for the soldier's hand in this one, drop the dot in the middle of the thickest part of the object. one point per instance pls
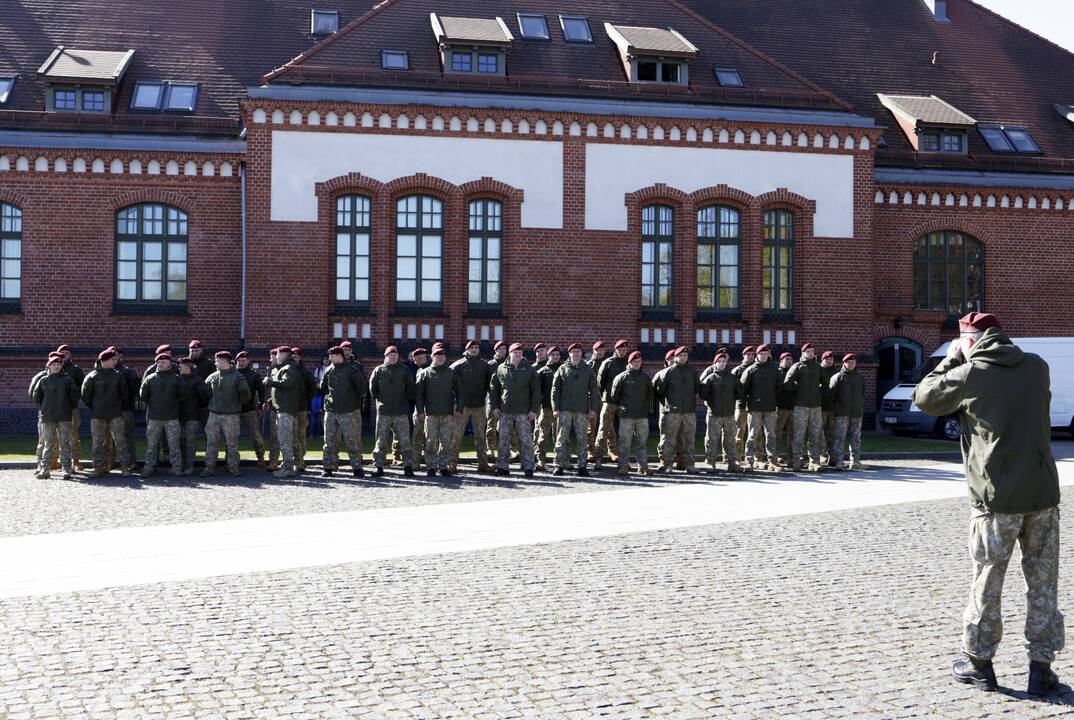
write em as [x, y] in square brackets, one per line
[532, 416]
[954, 351]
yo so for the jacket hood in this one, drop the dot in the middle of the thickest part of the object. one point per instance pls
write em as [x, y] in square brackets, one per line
[996, 348]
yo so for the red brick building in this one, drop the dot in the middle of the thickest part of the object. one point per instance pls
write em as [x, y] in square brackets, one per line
[673, 172]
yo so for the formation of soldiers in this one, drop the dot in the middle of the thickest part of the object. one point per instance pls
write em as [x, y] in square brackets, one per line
[585, 411]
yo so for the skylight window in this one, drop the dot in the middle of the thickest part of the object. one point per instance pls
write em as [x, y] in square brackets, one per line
[6, 85]
[182, 97]
[147, 95]
[576, 28]
[324, 22]
[1003, 139]
[728, 77]
[394, 60]
[533, 26]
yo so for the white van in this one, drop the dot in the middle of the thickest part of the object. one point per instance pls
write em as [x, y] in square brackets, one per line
[898, 413]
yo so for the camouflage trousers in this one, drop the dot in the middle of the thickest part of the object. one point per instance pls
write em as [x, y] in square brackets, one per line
[762, 429]
[55, 438]
[507, 428]
[679, 432]
[828, 422]
[544, 434]
[274, 438]
[76, 435]
[439, 434]
[784, 432]
[251, 420]
[843, 427]
[102, 431]
[153, 431]
[742, 417]
[227, 426]
[992, 540]
[633, 440]
[286, 427]
[661, 425]
[476, 415]
[345, 428]
[399, 425]
[607, 438]
[578, 424]
[492, 437]
[719, 438]
[807, 421]
[417, 439]
[189, 442]
[302, 431]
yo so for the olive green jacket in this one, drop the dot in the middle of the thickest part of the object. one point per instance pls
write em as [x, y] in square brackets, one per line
[160, 393]
[760, 386]
[475, 375]
[104, 392]
[228, 392]
[344, 388]
[574, 389]
[257, 388]
[1003, 397]
[676, 388]
[848, 388]
[632, 392]
[609, 371]
[720, 390]
[827, 397]
[515, 390]
[437, 391]
[804, 381]
[193, 397]
[784, 394]
[737, 371]
[287, 386]
[133, 385]
[545, 375]
[392, 386]
[56, 396]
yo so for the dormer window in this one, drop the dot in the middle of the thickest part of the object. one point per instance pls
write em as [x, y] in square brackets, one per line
[6, 85]
[948, 141]
[324, 22]
[653, 54]
[929, 123]
[461, 62]
[470, 45]
[64, 100]
[83, 80]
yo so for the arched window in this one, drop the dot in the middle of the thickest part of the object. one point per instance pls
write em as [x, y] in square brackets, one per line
[486, 220]
[777, 261]
[10, 254]
[419, 222]
[353, 227]
[717, 258]
[657, 240]
[151, 256]
[949, 272]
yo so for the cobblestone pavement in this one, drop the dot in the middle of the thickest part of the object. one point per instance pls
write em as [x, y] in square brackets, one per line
[850, 614]
[31, 506]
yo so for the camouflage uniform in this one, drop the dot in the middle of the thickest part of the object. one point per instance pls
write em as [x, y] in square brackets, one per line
[386, 426]
[104, 391]
[804, 379]
[784, 429]
[439, 434]
[228, 391]
[515, 392]
[55, 395]
[632, 394]
[345, 426]
[171, 429]
[760, 387]
[392, 387]
[344, 387]
[677, 388]
[227, 426]
[607, 437]
[845, 426]
[438, 397]
[575, 395]
[475, 375]
[102, 429]
[55, 437]
[742, 414]
[849, 389]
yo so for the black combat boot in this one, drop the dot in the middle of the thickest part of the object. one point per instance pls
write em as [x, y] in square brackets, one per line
[976, 672]
[408, 471]
[1042, 680]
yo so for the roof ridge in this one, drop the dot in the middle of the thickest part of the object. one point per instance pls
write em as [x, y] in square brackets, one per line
[1021, 27]
[763, 56]
[345, 30]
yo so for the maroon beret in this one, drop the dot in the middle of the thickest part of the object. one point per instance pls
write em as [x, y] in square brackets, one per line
[346, 344]
[806, 346]
[223, 355]
[763, 348]
[827, 354]
[242, 354]
[163, 356]
[849, 356]
[472, 343]
[668, 354]
[574, 346]
[187, 360]
[681, 350]
[163, 349]
[786, 355]
[296, 351]
[553, 349]
[335, 350]
[748, 349]
[389, 350]
[514, 346]
[722, 352]
[54, 357]
[63, 348]
[194, 344]
[634, 356]
[977, 321]
[106, 355]
[621, 344]
[538, 346]
[283, 348]
[598, 344]
[418, 351]
[499, 344]
[438, 350]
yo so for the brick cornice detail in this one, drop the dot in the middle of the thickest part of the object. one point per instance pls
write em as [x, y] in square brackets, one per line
[12, 198]
[950, 224]
[152, 195]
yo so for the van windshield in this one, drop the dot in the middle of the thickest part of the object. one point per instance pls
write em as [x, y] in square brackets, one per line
[926, 367]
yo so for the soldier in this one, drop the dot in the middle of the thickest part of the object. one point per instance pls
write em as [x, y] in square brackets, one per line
[288, 391]
[607, 438]
[676, 388]
[228, 392]
[419, 360]
[344, 388]
[545, 430]
[784, 413]
[742, 413]
[302, 420]
[475, 375]
[203, 366]
[133, 384]
[161, 394]
[79, 376]
[250, 417]
[270, 412]
[632, 395]
[848, 388]
[761, 382]
[152, 367]
[827, 400]
[720, 390]
[804, 380]
[540, 354]
[1003, 396]
[540, 359]
[595, 359]
[57, 398]
[575, 401]
[193, 400]
[104, 391]
[499, 357]
[515, 396]
[392, 387]
[660, 424]
[438, 403]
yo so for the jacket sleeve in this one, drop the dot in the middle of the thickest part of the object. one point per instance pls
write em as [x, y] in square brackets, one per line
[322, 386]
[72, 392]
[617, 390]
[495, 392]
[419, 393]
[145, 391]
[35, 383]
[557, 391]
[744, 382]
[790, 380]
[374, 383]
[535, 392]
[202, 389]
[361, 387]
[456, 389]
[942, 390]
[594, 389]
[409, 386]
[603, 381]
[704, 386]
[244, 390]
[87, 390]
[658, 386]
[124, 391]
[259, 389]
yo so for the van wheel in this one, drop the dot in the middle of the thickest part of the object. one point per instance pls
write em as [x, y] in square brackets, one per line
[949, 428]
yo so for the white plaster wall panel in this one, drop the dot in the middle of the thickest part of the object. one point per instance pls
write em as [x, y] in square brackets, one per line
[302, 159]
[612, 171]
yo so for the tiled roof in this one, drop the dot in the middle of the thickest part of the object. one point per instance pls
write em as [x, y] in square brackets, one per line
[71, 64]
[927, 110]
[653, 40]
[985, 65]
[470, 29]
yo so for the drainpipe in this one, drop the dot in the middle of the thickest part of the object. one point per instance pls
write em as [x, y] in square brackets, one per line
[242, 302]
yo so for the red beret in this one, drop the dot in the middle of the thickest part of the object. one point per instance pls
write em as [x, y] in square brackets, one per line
[195, 344]
[574, 346]
[499, 344]
[296, 351]
[346, 344]
[162, 356]
[681, 350]
[827, 354]
[849, 356]
[538, 346]
[115, 349]
[786, 355]
[747, 349]
[335, 350]
[389, 350]
[806, 346]
[283, 348]
[418, 351]
[223, 355]
[472, 343]
[668, 354]
[514, 346]
[187, 360]
[242, 354]
[763, 348]
[163, 349]
[106, 355]
[54, 357]
[553, 349]
[722, 352]
[438, 350]
[621, 344]
[636, 355]
[598, 345]
[978, 321]
[63, 348]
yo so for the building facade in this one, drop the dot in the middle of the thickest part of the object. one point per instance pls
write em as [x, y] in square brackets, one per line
[670, 172]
